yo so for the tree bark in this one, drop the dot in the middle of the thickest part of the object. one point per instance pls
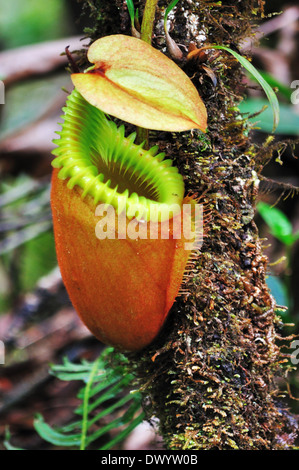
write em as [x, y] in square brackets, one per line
[211, 376]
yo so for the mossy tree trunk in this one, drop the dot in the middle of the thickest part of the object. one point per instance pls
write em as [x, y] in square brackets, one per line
[210, 378]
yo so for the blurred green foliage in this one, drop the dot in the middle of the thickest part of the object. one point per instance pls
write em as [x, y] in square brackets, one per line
[289, 117]
[38, 258]
[27, 250]
[282, 229]
[278, 223]
[26, 22]
[28, 101]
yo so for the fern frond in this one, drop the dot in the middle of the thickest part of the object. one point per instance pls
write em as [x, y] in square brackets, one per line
[107, 404]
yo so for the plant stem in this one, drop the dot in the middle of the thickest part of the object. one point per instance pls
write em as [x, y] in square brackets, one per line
[86, 402]
[146, 35]
[148, 21]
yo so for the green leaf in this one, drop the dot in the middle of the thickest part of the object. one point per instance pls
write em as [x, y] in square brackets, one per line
[37, 259]
[255, 73]
[283, 89]
[277, 221]
[28, 101]
[71, 371]
[24, 235]
[141, 86]
[24, 23]
[24, 186]
[55, 437]
[131, 10]
[7, 444]
[169, 8]
[109, 410]
[278, 290]
[115, 386]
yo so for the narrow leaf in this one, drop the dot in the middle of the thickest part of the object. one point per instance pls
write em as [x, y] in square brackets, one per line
[255, 73]
[55, 437]
[131, 10]
[136, 83]
[109, 410]
[133, 16]
[103, 384]
[285, 90]
[169, 8]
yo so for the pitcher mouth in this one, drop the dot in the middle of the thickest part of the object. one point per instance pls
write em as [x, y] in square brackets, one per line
[94, 154]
